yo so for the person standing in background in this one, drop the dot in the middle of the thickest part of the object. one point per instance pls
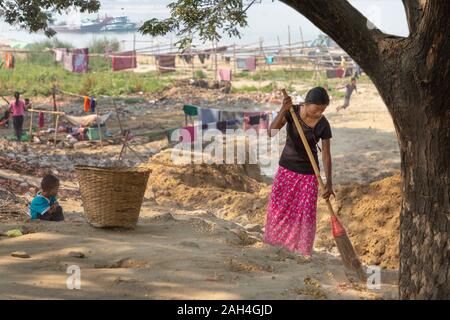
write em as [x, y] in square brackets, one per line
[17, 108]
[349, 88]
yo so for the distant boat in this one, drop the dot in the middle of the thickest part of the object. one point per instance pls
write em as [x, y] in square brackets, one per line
[85, 26]
[119, 24]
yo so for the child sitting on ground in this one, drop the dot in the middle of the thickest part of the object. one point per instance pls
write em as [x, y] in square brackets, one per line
[45, 205]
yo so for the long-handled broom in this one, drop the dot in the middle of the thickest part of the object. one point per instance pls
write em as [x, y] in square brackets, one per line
[345, 247]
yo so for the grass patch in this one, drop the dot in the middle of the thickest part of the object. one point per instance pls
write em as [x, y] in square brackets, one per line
[276, 75]
[247, 89]
[36, 72]
[37, 79]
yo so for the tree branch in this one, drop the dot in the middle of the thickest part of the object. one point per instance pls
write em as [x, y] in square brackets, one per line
[414, 13]
[34, 15]
[348, 27]
[432, 44]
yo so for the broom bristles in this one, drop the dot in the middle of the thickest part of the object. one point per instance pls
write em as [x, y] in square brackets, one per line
[346, 250]
[348, 256]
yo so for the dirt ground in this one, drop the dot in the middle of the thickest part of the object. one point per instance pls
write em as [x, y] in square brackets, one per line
[173, 254]
[200, 229]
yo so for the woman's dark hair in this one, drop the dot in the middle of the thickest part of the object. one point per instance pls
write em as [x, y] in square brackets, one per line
[318, 96]
[17, 96]
[49, 182]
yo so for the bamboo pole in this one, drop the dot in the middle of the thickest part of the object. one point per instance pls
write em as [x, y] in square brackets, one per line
[215, 60]
[118, 117]
[56, 128]
[260, 71]
[55, 108]
[234, 58]
[303, 40]
[31, 126]
[290, 51]
[99, 127]
[59, 113]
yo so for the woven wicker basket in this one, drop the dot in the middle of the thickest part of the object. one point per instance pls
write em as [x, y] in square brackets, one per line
[112, 197]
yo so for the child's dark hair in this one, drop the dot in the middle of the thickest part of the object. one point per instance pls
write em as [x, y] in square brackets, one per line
[49, 182]
[353, 79]
[318, 96]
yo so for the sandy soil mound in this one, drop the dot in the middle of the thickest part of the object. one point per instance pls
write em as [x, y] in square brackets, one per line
[371, 215]
[370, 212]
[229, 190]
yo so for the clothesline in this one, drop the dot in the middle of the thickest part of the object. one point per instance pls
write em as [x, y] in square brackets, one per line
[218, 110]
[231, 111]
[82, 97]
[146, 51]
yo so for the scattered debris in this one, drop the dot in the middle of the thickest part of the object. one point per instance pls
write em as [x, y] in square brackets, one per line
[189, 244]
[20, 254]
[76, 254]
[13, 233]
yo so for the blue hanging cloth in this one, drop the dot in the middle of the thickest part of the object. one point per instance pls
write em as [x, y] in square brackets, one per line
[93, 104]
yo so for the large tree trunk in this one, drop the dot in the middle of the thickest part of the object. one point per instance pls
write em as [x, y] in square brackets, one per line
[424, 224]
[421, 119]
[415, 86]
[414, 95]
[412, 76]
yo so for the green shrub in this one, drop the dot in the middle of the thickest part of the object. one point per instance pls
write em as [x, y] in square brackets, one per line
[99, 45]
[199, 74]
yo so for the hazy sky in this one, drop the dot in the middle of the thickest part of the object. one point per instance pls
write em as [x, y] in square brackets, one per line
[267, 20]
[270, 19]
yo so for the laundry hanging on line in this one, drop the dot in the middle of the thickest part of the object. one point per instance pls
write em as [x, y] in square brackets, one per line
[10, 60]
[92, 104]
[224, 74]
[166, 63]
[41, 120]
[256, 120]
[170, 132]
[187, 57]
[202, 57]
[86, 121]
[269, 60]
[231, 115]
[86, 104]
[124, 60]
[188, 134]
[274, 114]
[246, 64]
[76, 60]
[190, 110]
[59, 54]
[209, 115]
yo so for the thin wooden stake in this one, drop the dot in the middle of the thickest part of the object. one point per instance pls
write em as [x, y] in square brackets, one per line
[31, 125]
[56, 127]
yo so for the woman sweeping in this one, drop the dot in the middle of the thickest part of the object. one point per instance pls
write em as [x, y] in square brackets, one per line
[291, 213]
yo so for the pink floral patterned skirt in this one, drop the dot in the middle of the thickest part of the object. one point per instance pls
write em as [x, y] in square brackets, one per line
[291, 213]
